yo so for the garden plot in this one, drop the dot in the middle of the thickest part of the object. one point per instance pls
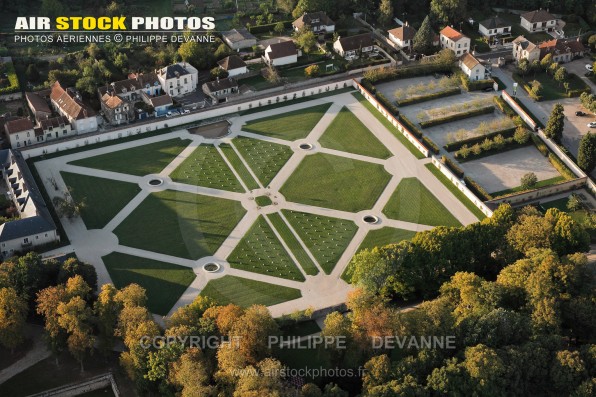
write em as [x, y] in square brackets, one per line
[469, 128]
[388, 89]
[504, 171]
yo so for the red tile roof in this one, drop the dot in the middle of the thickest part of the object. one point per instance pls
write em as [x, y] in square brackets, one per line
[18, 125]
[451, 33]
[73, 107]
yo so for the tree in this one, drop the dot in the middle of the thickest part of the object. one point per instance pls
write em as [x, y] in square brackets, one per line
[385, 13]
[47, 305]
[521, 135]
[311, 71]
[546, 62]
[306, 39]
[51, 8]
[555, 124]
[75, 318]
[32, 72]
[567, 370]
[523, 67]
[561, 75]
[106, 310]
[535, 66]
[536, 87]
[592, 42]
[586, 156]
[528, 181]
[574, 203]
[286, 6]
[423, 39]
[13, 314]
[66, 206]
[272, 75]
[309, 6]
[191, 373]
[448, 11]
[72, 267]
[279, 28]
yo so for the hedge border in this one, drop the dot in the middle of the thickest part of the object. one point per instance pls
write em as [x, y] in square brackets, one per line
[507, 133]
[457, 116]
[452, 166]
[429, 97]
[477, 189]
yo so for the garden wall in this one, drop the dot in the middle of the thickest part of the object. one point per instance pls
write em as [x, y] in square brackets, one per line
[76, 389]
[520, 198]
[462, 187]
[525, 117]
[160, 123]
[401, 128]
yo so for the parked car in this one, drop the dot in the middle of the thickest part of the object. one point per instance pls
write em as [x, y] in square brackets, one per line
[580, 113]
[592, 124]
[185, 111]
[488, 89]
[589, 67]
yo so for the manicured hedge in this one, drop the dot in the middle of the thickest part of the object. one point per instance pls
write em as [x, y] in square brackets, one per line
[541, 146]
[453, 167]
[457, 116]
[394, 73]
[268, 27]
[429, 97]
[477, 189]
[453, 146]
[508, 144]
[504, 107]
[410, 126]
[475, 85]
[391, 108]
[561, 167]
[13, 80]
[431, 145]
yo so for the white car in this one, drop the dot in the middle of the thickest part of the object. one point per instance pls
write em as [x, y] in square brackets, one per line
[589, 67]
[592, 124]
[185, 111]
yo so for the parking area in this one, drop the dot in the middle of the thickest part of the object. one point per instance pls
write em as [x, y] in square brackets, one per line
[504, 170]
[579, 68]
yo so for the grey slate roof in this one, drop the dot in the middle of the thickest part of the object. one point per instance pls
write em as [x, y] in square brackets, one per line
[173, 71]
[494, 23]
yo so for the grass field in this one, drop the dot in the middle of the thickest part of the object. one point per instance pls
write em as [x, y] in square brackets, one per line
[400, 137]
[348, 134]
[413, 202]
[264, 158]
[456, 192]
[103, 198]
[551, 89]
[385, 236]
[290, 125]
[239, 166]
[517, 189]
[292, 242]
[263, 201]
[140, 160]
[164, 282]
[260, 251]
[326, 238]
[180, 224]
[321, 179]
[206, 167]
[244, 292]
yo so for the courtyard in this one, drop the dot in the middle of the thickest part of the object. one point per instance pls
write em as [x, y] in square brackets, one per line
[270, 214]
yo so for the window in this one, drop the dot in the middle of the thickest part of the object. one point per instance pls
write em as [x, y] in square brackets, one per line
[28, 134]
[48, 136]
[64, 132]
[185, 80]
[26, 240]
[46, 235]
[459, 46]
[17, 137]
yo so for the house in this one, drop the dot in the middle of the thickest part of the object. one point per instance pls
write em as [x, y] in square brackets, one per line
[220, 90]
[454, 40]
[525, 49]
[238, 39]
[283, 53]
[472, 67]
[402, 36]
[53, 128]
[538, 21]
[352, 47]
[318, 22]
[160, 104]
[116, 109]
[68, 103]
[494, 26]
[39, 107]
[562, 50]
[178, 79]
[234, 65]
[20, 132]
[35, 227]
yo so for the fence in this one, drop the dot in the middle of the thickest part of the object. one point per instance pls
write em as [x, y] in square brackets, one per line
[520, 198]
[461, 186]
[76, 389]
[157, 124]
[400, 127]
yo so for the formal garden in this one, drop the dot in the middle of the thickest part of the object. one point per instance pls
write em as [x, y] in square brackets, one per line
[220, 218]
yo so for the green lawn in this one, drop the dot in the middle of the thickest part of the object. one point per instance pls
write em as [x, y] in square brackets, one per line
[413, 202]
[140, 160]
[324, 180]
[385, 236]
[349, 134]
[180, 224]
[206, 167]
[326, 238]
[400, 137]
[239, 166]
[260, 251]
[290, 125]
[292, 242]
[546, 182]
[244, 292]
[103, 198]
[164, 282]
[552, 89]
[263, 201]
[264, 158]
[456, 192]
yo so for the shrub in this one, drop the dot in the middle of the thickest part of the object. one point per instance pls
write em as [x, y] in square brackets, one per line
[528, 181]
[504, 107]
[312, 71]
[520, 80]
[429, 97]
[561, 167]
[574, 203]
[457, 116]
[541, 146]
[13, 81]
[431, 145]
[453, 146]
[475, 85]
[269, 27]
[477, 189]
[453, 167]
[521, 135]
[368, 85]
